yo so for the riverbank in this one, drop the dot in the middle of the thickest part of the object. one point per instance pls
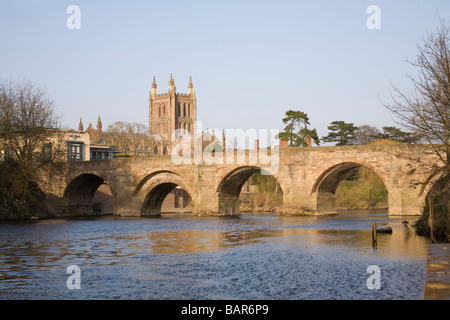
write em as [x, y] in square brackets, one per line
[438, 272]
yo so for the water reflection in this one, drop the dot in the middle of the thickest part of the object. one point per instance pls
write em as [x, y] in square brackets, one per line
[195, 241]
[254, 256]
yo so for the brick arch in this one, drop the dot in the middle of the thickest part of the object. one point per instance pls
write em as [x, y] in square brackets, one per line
[325, 185]
[153, 189]
[80, 191]
[230, 186]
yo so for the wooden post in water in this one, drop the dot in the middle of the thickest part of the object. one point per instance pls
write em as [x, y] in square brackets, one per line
[374, 234]
[431, 218]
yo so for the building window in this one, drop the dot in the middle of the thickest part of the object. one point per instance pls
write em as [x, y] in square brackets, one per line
[101, 154]
[75, 151]
[184, 110]
[189, 110]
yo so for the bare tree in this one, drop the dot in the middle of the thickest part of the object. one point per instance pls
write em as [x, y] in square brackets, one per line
[366, 134]
[130, 138]
[30, 144]
[426, 111]
[26, 118]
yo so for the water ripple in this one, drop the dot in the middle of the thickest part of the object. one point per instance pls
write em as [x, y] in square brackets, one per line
[181, 257]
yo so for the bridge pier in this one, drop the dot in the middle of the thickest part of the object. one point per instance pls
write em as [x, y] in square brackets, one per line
[404, 201]
[126, 203]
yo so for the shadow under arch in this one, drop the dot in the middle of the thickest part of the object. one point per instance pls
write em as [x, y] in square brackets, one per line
[155, 187]
[432, 182]
[326, 185]
[437, 184]
[230, 187]
[80, 192]
[435, 199]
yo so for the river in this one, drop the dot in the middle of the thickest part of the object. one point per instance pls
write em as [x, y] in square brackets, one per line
[253, 256]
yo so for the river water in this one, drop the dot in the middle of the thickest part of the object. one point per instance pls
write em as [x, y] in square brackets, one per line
[253, 256]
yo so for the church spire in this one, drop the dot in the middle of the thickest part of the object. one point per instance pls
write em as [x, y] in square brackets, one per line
[154, 86]
[80, 126]
[190, 86]
[99, 129]
[99, 125]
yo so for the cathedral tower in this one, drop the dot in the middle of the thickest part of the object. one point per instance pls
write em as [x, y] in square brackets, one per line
[169, 112]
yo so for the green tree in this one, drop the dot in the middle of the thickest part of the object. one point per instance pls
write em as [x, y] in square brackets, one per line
[361, 189]
[396, 134]
[296, 129]
[342, 133]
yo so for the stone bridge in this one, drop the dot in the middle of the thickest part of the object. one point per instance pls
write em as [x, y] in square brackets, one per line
[308, 177]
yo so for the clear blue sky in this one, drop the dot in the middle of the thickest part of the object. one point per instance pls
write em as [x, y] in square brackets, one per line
[250, 61]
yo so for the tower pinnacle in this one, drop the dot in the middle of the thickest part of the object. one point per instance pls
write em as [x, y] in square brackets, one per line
[154, 86]
[99, 128]
[172, 87]
[99, 123]
[190, 86]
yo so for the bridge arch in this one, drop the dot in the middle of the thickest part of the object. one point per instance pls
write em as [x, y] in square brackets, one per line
[325, 186]
[79, 193]
[230, 186]
[436, 182]
[154, 188]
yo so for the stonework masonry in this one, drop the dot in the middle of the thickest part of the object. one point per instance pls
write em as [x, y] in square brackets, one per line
[169, 112]
[308, 177]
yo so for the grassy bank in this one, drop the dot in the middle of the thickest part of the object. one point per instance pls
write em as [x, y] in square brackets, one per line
[361, 189]
[265, 196]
